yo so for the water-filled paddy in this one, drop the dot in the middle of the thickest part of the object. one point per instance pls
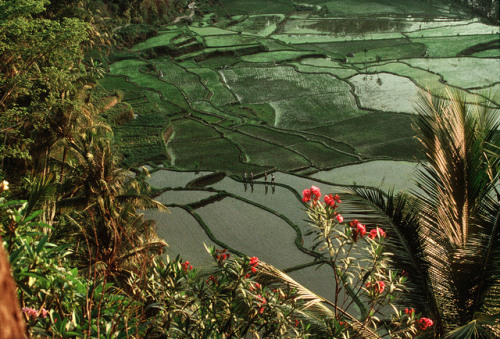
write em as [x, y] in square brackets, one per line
[164, 178]
[183, 235]
[254, 232]
[386, 174]
[372, 92]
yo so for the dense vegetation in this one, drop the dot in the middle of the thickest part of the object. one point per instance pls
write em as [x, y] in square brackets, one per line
[88, 264]
[489, 9]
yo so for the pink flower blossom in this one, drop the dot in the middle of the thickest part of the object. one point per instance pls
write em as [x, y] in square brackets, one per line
[263, 301]
[410, 311]
[425, 323]
[378, 231]
[316, 191]
[358, 229]
[30, 312]
[378, 286]
[44, 313]
[339, 218]
[329, 200]
[254, 261]
[306, 195]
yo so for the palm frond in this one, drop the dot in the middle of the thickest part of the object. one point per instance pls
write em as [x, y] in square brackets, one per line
[472, 330]
[457, 212]
[316, 308]
[142, 201]
[400, 219]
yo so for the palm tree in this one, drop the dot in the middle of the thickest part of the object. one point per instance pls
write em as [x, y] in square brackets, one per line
[101, 199]
[446, 235]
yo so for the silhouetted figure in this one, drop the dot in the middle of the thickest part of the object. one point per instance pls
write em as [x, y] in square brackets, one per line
[266, 189]
[272, 179]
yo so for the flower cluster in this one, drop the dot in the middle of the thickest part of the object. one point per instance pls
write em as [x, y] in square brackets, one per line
[221, 255]
[33, 313]
[313, 193]
[186, 266]
[358, 229]
[378, 232]
[378, 286]
[255, 286]
[261, 304]
[425, 323]
[332, 200]
[410, 312]
[254, 261]
[212, 279]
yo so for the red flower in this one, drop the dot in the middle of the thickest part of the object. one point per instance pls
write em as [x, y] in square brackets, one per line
[329, 200]
[212, 279]
[410, 311]
[255, 286]
[378, 231]
[337, 198]
[425, 323]
[254, 261]
[263, 301]
[315, 190]
[185, 266]
[44, 313]
[222, 255]
[378, 287]
[359, 229]
[253, 269]
[340, 218]
[306, 195]
[30, 312]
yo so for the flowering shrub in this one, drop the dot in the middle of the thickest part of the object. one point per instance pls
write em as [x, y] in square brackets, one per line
[225, 300]
[363, 280]
[56, 300]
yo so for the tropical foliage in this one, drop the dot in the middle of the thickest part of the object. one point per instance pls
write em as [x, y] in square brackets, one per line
[448, 235]
[237, 296]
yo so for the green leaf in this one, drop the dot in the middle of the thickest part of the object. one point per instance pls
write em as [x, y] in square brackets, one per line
[41, 244]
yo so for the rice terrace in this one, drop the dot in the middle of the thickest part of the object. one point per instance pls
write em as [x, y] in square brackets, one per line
[236, 114]
[250, 169]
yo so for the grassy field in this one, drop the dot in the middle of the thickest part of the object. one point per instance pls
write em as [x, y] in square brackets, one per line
[319, 93]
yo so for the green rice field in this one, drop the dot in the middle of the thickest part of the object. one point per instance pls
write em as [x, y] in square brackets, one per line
[321, 92]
